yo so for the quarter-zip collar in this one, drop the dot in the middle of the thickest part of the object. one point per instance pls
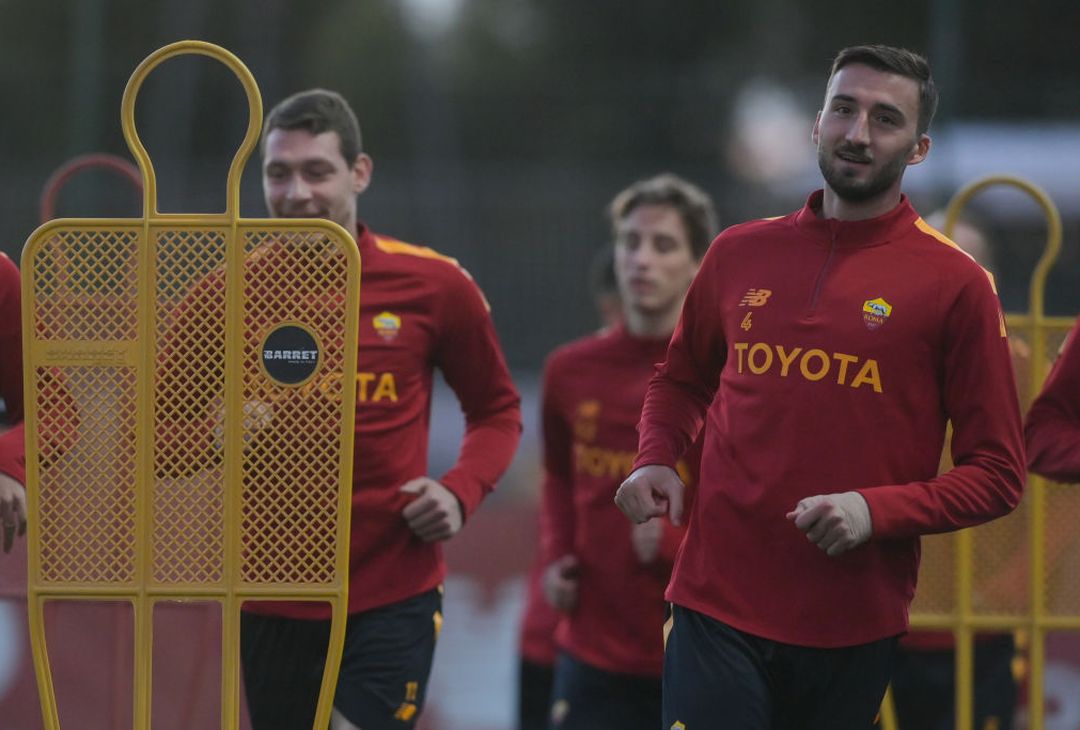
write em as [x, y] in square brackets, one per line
[365, 239]
[850, 234]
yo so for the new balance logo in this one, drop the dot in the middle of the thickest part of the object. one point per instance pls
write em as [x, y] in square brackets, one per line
[755, 297]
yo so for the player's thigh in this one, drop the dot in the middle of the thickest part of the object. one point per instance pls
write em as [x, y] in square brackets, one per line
[713, 672]
[831, 689]
[922, 685]
[386, 663]
[535, 682]
[585, 697]
[283, 661]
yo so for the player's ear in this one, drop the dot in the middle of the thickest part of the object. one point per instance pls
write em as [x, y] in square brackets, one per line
[361, 171]
[922, 149]
[815, 131]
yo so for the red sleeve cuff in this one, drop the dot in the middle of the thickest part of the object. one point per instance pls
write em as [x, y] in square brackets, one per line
[13, 453]
[485, 454]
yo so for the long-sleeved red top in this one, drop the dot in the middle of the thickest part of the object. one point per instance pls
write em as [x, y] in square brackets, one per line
[12, 458]
[418, 311]
[593, 390]
[826, 356]
[1052, 427]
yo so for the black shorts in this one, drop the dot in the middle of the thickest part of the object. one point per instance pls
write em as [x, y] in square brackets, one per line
[588, 698]
[717, 676]
[534, 694]
[384, 666]
[924, 686]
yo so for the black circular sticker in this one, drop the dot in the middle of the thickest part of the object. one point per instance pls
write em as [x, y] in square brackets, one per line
[290, 354]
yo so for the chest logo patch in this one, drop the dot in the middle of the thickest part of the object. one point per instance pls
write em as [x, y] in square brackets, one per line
[387, 324]
[588, 411]
[876, 312]
[755, 297]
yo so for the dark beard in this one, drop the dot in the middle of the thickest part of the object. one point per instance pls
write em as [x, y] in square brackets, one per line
[853, 191]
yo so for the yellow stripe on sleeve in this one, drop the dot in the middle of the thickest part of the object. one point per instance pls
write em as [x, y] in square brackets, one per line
[935, 233]
[394, 246]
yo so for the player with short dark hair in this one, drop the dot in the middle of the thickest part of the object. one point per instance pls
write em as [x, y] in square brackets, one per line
[318, 111]
[605, 576]
[897, 62]
[824, 352]
[419, 311]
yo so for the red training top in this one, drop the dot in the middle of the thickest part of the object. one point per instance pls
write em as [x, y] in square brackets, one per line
[593, 390]
[826, 356]
[1053, 423]
[419, 311]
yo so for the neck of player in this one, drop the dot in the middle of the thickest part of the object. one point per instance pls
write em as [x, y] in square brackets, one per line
[833, 206]
[651, 324]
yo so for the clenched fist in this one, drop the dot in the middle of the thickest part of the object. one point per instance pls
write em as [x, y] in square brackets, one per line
[834, 522]
[651, 491]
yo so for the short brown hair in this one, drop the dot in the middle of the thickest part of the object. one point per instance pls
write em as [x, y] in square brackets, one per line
[898, 61]
[318, 111]
[693, 205]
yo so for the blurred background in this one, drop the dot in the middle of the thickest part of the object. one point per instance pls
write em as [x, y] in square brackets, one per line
[500, 129]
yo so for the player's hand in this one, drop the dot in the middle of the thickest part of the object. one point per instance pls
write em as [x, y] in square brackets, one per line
[435, 513]
[652, 491]
[561, 583]
[12, 510]
[257, 416]
[646, 537]
[834, 522]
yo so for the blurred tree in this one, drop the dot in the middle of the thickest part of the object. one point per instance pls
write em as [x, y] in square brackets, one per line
[602, 80]
[499, 127]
